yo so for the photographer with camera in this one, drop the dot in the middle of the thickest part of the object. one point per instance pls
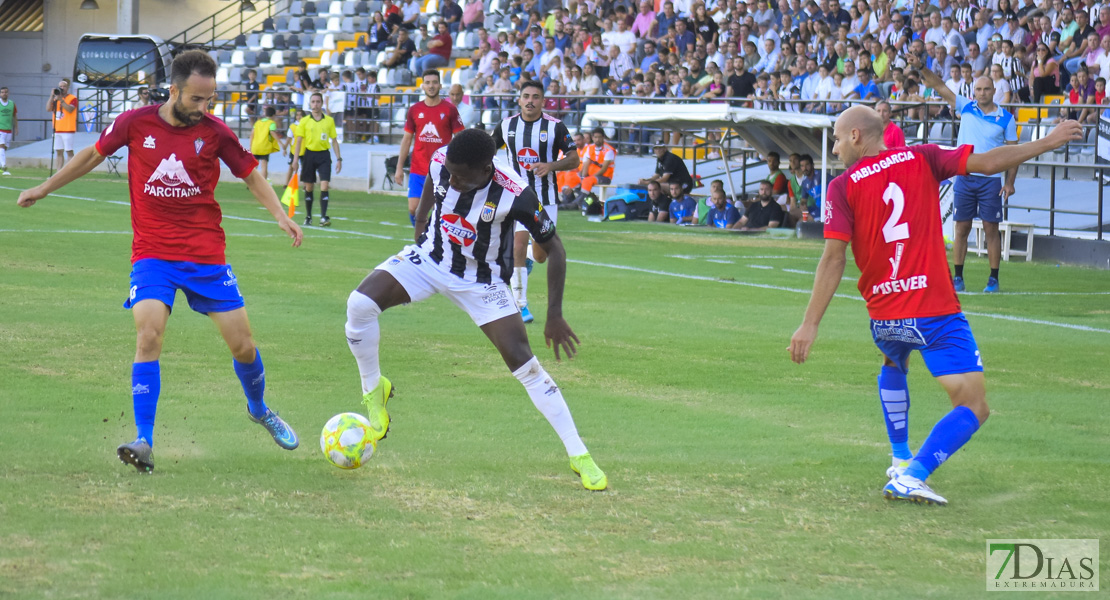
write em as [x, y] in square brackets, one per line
[63, 106]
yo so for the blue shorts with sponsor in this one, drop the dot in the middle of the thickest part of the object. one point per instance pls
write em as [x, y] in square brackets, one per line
[944, 342]
[208, 288]
[416, 185]
[977, 197]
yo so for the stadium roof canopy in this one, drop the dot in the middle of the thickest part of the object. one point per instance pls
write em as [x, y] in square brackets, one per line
[764, 130]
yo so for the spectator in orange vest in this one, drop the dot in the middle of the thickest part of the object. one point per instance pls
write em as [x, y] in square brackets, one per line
[63, 107]
[597, 166]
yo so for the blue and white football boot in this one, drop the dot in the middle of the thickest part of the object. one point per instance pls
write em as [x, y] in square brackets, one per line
[904, 487]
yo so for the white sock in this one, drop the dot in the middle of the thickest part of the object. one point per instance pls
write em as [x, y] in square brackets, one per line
[549, 400]
[520, 287]
[530, 255]
[363, 335]
[3, 158]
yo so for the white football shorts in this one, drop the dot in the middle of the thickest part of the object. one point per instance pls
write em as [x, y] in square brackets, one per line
[5, 138]
[63, 141]
[421, 278]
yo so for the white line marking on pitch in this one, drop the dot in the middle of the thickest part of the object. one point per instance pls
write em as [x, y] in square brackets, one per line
[807, 292]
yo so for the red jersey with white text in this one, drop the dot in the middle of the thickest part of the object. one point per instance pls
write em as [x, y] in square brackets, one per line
[888, 208]
[432, 127]
[172, 174]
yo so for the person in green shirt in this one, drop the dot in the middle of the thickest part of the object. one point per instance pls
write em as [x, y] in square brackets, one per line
[9, 127]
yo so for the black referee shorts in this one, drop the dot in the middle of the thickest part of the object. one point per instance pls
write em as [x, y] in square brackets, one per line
[316, 162]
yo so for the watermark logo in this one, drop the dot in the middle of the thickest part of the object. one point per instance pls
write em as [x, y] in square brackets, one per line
[1042, 565]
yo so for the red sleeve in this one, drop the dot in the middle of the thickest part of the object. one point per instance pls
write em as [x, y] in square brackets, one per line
[837, 214]
[115, 136]
[72, 101]
[780, 185]
[232, 152]
[410, 123]
[946, 162]
[456, 122]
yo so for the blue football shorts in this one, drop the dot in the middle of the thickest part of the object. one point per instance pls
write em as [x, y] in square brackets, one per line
[208, 288]
[945, 343]
[976, 196]
[416, 185]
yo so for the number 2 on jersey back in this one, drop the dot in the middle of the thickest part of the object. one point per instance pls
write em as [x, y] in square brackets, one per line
[893, 230]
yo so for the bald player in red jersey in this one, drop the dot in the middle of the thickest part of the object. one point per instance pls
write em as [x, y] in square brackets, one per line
[887, 206]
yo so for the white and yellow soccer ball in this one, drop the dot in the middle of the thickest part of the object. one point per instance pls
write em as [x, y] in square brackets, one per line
[346, 441]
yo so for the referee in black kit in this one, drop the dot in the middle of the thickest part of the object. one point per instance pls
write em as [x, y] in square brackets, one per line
[534, 141]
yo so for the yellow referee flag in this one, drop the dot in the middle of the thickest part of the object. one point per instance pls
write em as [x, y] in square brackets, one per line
[292, 195]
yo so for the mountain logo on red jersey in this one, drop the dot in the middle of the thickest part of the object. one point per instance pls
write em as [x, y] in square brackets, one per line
[171, 180]
[171, 172]
[458, 230]
[430, 134]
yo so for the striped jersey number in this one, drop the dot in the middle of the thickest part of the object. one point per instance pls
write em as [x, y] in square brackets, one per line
[893, 230]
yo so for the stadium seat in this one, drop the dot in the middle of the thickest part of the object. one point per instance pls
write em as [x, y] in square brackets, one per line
[334, 24]
[362, 7]
[266, 41]
[350, 8]
[329, 41]
[278, 42]
[290, 76]
[308, 25]
[250, 59]
[310, 9]
[361, 24]
[218, 110]
[268, 25]
[276, 59]
[347, 25]
[335, 8]
[238, 58]
[239, 41]
[431, 7]
[350, 59]
[318, 42]
[293, 42]
[281, 23]
[325, 59]
[294, 25]
[460, 39]
[374, 6]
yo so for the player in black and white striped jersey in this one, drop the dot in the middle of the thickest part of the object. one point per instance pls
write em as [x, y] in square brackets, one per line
[533, 142]
[461, 253]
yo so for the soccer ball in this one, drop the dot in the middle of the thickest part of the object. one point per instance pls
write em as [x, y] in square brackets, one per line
[346, 441]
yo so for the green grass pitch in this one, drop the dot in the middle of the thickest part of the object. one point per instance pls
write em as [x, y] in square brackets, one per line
[733, 472]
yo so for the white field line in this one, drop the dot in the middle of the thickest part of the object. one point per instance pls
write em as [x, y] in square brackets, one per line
[807, 292]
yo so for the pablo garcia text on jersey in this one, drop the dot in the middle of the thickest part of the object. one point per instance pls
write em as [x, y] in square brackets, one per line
[891, 160]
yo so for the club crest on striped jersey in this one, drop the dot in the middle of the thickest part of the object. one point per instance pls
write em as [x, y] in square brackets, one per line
[489, 210]
[543, 136]
[458, 230]
[526, 157]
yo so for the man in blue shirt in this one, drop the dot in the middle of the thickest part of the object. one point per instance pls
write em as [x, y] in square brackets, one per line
[866, 90]
[683, 206]
[986, 126]
[723, 215]
[650, 56]
[811, 186]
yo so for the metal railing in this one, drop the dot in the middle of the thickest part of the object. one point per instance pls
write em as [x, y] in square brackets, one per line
[928, 122]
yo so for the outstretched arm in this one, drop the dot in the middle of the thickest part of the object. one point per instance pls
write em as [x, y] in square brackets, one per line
[265, 195]
[931, 80]
[557, 330]
[829, 272]
[1008, 157]
[85, 161]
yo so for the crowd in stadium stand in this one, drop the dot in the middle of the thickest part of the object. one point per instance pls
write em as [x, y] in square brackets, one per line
[791, 55]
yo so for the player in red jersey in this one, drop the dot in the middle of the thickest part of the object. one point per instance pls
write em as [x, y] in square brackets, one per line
[429, 125]
[887, 206]
[174, 153]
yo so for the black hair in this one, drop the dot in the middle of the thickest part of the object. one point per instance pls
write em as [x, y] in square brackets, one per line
[435, 72]
[598, 130]
[473, 148]
[270, 111]
[532, 84]
[314, 94]
[189, 63]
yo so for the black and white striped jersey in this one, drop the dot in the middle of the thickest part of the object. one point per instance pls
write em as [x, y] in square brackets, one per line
[527, 143]
[470, 235]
